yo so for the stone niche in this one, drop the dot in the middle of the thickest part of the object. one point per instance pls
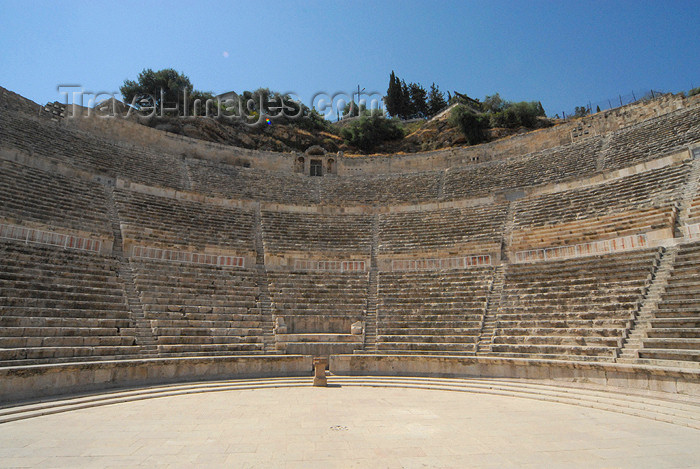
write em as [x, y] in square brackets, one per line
[316, 162]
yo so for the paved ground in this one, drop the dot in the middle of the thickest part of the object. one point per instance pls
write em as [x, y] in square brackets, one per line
[345, 427]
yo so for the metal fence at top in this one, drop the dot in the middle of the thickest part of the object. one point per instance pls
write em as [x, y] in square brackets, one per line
[613, 102]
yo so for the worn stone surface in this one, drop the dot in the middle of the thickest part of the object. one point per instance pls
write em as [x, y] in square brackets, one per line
[345, 427]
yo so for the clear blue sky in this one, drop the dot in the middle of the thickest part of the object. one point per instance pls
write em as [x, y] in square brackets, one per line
[563, 53]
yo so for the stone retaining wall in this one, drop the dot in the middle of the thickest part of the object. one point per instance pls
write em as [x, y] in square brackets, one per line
[22, 383]
[646, 378]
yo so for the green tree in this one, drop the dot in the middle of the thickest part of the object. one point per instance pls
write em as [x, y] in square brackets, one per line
[472, 125]
[369, 131]
[521, 114]
[581, 111]
[393, 99]
[436, 100]
[419, 103]
[406, 105]
[165, 88]
[352, 109]
[494, 103]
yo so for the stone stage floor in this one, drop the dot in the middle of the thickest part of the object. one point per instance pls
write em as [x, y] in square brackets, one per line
[345, 426]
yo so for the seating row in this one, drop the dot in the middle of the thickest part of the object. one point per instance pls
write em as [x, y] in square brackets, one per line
[431, 312]
[332, 233]
[317, 310]
[90, 152]
[440, 229]
[651, 138]
[675, 325]
[58, 305]
[200, 309]
[158, 221]
[32, 195]
[576, 308]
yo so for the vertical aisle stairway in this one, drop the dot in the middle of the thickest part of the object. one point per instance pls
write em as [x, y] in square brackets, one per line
[493, 302]
[632, 342]
[371, 318]
[142, 326]
[263, 287]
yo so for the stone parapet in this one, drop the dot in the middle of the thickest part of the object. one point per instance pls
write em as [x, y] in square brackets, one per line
[637, 377]
[39, 381]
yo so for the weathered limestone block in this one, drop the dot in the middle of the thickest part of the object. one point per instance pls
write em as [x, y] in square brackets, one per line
[356, 328]
[320, 365]
[280, 326]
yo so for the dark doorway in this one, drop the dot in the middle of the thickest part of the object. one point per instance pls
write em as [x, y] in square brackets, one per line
[316, 167]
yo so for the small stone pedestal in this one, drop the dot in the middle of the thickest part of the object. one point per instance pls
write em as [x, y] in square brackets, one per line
[320, 371]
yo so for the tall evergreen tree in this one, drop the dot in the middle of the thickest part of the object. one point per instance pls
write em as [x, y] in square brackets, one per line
[406, 107]
[436, 100]
[419, 105]
[393, 96]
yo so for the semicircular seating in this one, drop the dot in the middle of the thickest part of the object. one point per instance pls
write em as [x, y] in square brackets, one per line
[584, 251]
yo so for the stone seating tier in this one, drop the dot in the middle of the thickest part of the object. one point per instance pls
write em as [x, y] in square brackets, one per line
[595, 229]
[11, 103]
[317, 311]
[59, 143]
[431, 312]
[380, 189]
[221, 180]
[197, 309]
[441, 229]
[573, 308]
[675, 326]
[32, 195]
[326, 233]
[324, 294]
[58, 305]
[654, 188]
[694, 211]
[163, 221]
[651, 138]
[568, 161]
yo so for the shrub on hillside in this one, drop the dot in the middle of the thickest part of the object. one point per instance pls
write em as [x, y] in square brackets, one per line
[514, 115]
[694, 91]
[369, 131]
[472, 125]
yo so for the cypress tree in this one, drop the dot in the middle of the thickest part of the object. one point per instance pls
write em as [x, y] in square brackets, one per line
[393, 96]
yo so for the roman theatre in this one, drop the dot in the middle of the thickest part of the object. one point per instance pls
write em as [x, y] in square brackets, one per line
[530, 301]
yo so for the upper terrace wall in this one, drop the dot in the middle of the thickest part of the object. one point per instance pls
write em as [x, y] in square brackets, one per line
[219, 171]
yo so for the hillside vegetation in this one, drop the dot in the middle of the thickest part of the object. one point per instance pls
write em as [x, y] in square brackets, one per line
[272, 121]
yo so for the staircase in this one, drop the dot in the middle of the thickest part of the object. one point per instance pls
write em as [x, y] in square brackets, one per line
[600, 161]
[632, 340]
[508, 231]
[441, 186]
[370, 344]
[142, 326]
[264, 287]
[493, 302]
[689, 192]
